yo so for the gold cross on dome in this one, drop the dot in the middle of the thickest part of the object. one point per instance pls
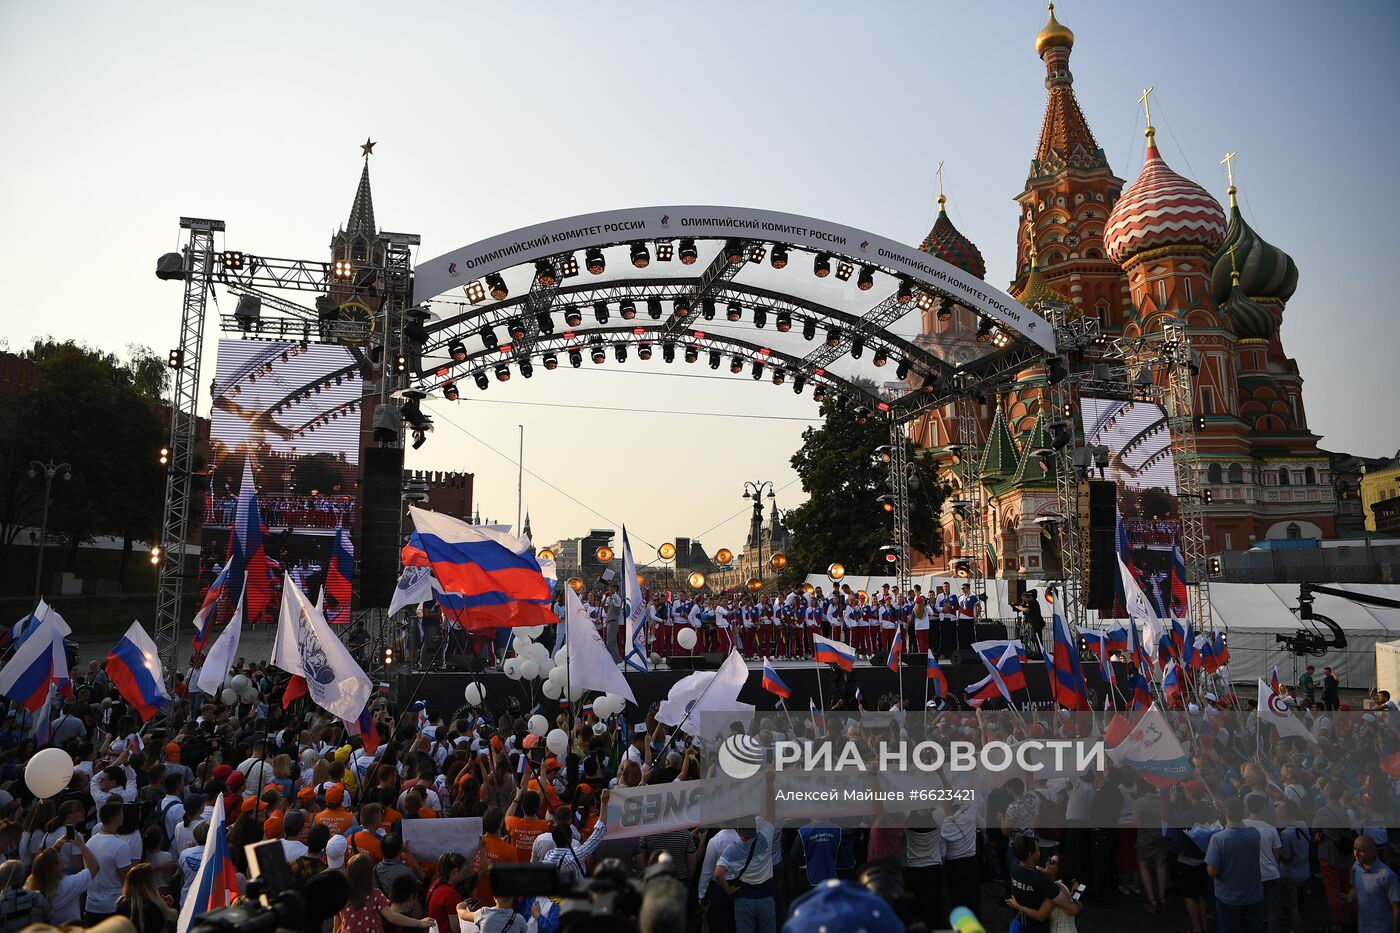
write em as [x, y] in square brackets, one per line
[1229, 163]
[1146, 101]
[939, 172]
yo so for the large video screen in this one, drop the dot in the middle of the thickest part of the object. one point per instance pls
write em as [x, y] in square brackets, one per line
[1140, 464]
[290, 412]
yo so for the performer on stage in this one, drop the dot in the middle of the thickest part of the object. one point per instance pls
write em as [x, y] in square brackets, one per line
[968, 603]
[922, 615]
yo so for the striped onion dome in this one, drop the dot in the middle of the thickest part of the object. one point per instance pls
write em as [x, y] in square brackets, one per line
[948, 243]
[1160, 209]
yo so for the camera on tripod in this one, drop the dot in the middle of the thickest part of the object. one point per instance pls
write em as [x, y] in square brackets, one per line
[1304, 642]
[271, 902]
[609, 901]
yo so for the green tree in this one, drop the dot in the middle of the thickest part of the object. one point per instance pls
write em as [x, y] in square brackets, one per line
[842, 520]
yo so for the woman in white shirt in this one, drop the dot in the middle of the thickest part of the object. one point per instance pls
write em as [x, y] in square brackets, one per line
[723, 643]
[62, 890]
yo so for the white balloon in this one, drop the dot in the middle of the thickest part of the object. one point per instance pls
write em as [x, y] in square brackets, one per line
[576, 692]
[522, 635]
[551, 690]
[561, 656]
[545, 667]
[249, 695]
[616, 703]
[49, 770]
[229, 696]
[557, 741]
[557, 674]
[538, 724]
[511, 668]
[529, 669]
[531, 631]
[239, 683]
[599, 728]
[475, 694]
[600, 707]
[686, 638]
[537, 651]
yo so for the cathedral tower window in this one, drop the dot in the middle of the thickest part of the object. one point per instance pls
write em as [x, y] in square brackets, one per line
[1283, 479]
[1310, 477]
[1236, 473]
[1213, 474]
[1293, 531]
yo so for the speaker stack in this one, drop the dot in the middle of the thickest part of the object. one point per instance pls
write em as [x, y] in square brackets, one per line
[381, 526]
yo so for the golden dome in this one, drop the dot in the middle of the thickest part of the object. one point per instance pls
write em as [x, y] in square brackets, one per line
[1054, 33]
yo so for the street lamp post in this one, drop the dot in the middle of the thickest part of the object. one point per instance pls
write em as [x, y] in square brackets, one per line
[50, 470]
[754, 490]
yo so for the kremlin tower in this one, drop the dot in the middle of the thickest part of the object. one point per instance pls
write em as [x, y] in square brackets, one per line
[1160, 250]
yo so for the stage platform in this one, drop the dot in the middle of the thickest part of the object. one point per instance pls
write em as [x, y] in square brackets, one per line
[443, 689]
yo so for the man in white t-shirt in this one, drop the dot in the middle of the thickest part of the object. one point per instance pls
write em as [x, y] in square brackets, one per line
[113, 859]
[1270, 846]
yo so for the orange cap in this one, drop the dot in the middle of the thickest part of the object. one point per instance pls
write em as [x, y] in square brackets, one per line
[306, 795]
[172, 751]
[335, 795]
[272, 827]
[248, 804]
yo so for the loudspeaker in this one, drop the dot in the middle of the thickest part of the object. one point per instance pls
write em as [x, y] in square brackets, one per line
[381, 527]
[966, 656]
[1103, 549]
[989, 631]
[471, 663]
[708, 661]
[906, 659]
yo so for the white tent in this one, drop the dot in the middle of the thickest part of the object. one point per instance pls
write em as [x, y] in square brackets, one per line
[1388, 667]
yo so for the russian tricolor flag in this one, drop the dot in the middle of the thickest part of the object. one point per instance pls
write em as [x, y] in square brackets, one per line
[37, 663]
[1172, 689]
[363, 726]
[1274, 685]
[1004, 660]
[818, 718]
[1116, 637]
[338, 576]
[773, 683]
[249, 560]
[413, 554]
[1097, 642]
[982, 691]
[489, 579]
[1222, 650]
[830, 651]
[936, 676]
[216, 882]
[896, 649]
[209, 612]
[1066, 673]
[1142, 691]
[134, 667]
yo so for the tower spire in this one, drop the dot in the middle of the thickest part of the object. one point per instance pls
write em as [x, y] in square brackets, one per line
[362, 210]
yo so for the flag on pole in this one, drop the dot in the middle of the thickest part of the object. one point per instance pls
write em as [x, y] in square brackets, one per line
[487, 578]
[208, 613]
[1222, 650]
[1141, 691]
[43, 719]
[35, 664]
[1116, 636]
[830, 651]
[773, 683]
[363, 726]
[1275, 712]
[936, 676]
[818, 717]
[896, 649]
[1205, 654]
[1066, 674]
[634, 610]
[985, 689]
[1153, 751]
[590, 664]
[134, 668]
[248, 561]
[1172, 688]
[1097, 642]
[216, 880]
[306, 647]
[1004, 660]
[335, 592]
[219, 661]
[1274, 684]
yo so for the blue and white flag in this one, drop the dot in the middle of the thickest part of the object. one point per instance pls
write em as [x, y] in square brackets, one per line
[634, 610]
[415, 586]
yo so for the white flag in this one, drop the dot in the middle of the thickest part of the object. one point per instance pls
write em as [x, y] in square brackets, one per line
[634, 610]
[1279, 714]
[306, 646]
[590, 665]
[1140, 607]
[415, 586]
[705, 692]
[219, 661]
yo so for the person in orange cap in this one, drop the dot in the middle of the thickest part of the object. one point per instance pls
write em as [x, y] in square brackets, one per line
[335, 817]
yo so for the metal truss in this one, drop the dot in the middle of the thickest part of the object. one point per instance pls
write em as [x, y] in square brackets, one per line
[184, 424]
[293, 322]
[242, 269]
[972, 499]
[718, 273]
[1181, 394]
[869, 324]
[899, 485]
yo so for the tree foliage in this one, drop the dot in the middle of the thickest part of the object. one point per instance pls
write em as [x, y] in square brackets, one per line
[842, 520]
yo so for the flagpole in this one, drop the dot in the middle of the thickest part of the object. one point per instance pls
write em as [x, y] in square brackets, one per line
[520, 481]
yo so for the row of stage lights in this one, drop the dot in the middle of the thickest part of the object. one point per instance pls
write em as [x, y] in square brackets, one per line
[724, 557]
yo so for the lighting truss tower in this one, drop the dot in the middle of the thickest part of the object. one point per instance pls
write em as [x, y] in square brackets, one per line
[184, 421]
[1181, 419]
[971, 541]
[899, 486]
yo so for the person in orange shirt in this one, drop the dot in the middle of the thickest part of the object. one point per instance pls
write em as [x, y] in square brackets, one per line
[367, 839]
[527, 825]
[545, 786]
[335, 817]
[495, 849]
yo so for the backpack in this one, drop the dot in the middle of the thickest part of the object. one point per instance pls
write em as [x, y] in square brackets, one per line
[152, 815]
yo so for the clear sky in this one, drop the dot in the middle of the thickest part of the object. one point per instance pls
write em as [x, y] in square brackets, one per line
[120, 117]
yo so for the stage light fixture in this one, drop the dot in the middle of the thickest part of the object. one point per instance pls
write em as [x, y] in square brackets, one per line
[707, 309]
[497, 286]
[654, 308]
[1200, 422]
[736, 365]
[1067, 410]
[984, 329]
[784, 321]
[692, 353]
[155, 554]
[1000, 338]
[714, 359]
[550, 361]
[503, 373]
[1060, 435]
[165, 456]
[882, 356]
[628, 309]
[620, 351]
[575, 359]
[889, 553]
[884, 453]
[723, 556]
[573, 317]
[1056, 369]
[757, 252]
[527, 368]
[929, 384]
[857, 346]
[836, 571]
[476, 294]
[779, 377]
[233, 259]
[481, 381]
[401, 363]
[962, 569]
[516, 328]
[844, 270]
[734, 252]
[779, 257]
[866, 280]
[818, 393]
[569, 267]
[668, 351]
[1207, 497]
[696, 580]
[833, 335]
[862, 414]
[600, 311]
[758, 369]
[945, 309]
[760, 317]
[344, 271]
[450, 391]
[799, 382]
[598, 354]
[595, 261]
[667, 551]
[901, 371]
[885, 502]
[545, 273]
[457, 350]
[821, 265]
[925, 300]
[1213, 566]
[688, 252]
[176, 359]
[681, 307]
[640, 257]
[905, 293]
[734, 312]
[545, 320]
[809, 328]
[644, 350]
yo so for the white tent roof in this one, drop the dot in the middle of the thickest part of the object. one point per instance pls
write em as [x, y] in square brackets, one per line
[1269, 606]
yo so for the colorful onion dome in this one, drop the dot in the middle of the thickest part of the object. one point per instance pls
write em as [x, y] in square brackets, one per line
[947, 243]
[1054, 34]
[1266, 272]
[1247, 318]
[1160, 209]
[1037, 291]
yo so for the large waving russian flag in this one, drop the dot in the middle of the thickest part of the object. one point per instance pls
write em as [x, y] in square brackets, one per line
[1066, 673]
[830, 651]
[488, 578]
[1004, 660]
[773, 683]
[982, 691]
[896, 649]
[209, 612]
[37, 663]
[338, 576]
[936, 676]
[248, 558]
[134, 667]
[216, 882]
